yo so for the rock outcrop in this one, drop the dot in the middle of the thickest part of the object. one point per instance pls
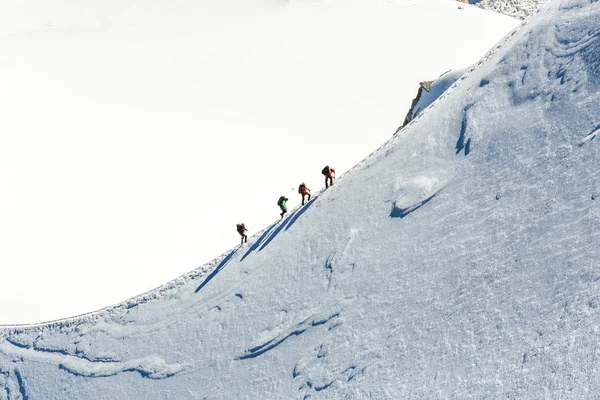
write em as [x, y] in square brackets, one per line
[515, 8]
[429, 91]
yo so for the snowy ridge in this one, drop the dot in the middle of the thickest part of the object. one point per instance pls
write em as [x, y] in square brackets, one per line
[444, 85]
[175, 89]
[255, 240]
[457, 261]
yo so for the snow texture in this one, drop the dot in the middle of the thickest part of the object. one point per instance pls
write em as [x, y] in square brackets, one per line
[459, 260]
[514, 8]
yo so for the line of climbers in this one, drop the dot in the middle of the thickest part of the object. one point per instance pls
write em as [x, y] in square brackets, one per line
[303, 190]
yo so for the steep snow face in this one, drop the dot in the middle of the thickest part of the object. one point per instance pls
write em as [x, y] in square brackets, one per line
[460, 260]
[135, 135]
[514, 8]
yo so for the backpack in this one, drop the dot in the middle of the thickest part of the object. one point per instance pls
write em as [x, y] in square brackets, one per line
[325, 170]
[240, 228]
[300, 189]
[281, 200]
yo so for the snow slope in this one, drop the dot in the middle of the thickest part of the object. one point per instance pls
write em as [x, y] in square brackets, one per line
[460, 260]
[134, 134]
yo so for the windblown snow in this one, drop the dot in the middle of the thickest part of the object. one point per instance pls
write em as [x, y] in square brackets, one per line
[460, 260]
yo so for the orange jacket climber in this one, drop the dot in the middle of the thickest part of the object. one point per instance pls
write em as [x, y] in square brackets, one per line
[329, 175]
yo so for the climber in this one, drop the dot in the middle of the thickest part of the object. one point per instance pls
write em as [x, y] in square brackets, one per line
[282, 203]
[304, 191]
[241, 229]
[329, 175]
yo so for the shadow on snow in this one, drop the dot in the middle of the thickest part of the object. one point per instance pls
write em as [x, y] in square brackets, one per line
[276, 231]
[298, 213]
[270, 234]
[221, 265]
[259, 241]
[398, 212]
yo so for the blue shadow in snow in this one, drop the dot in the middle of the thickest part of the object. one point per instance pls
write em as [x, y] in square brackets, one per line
[461, 143]
[22, 390]
[259, 241]
[276, 231]
[591, 136]
[398, 212]
[286, 223]
[298, 213]
[216, 270]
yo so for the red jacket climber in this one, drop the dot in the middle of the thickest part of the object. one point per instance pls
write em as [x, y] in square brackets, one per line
[304, 191]
[329, 175]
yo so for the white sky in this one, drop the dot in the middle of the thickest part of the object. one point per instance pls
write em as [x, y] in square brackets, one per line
[135, 135]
